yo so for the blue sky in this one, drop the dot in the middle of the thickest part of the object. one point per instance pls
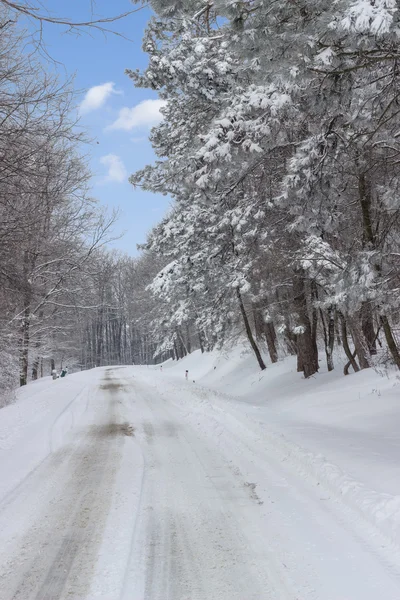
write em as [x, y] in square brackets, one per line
[117, 116]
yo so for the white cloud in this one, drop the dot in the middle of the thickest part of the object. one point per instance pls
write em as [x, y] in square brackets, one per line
[96, 96]
[145, 114]
[116, 168]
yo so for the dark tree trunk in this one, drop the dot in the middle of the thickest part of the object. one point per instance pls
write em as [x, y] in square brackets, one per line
[24, 349]
[367, 325]
[337, 328]
[265, 331]
[178, 356]
[291, 341]
[181, 343]
[314, 324]
[360, 343]
[394, 351]
[24, 340]
[307, 357]
[36, 363]
[200, 337]
[364, 336]
[365, 198]
[329, 336]
[347, 365]
[258, 321]
[99, 339]
[270, 336]
[364, 194]
[25, 324]
[35, 369]
[188, 342]
[249, 332]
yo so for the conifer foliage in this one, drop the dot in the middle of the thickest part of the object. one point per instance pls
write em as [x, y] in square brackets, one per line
[280, 148]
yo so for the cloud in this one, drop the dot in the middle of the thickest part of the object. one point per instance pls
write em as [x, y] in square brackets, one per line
[96, 96]
[145, 114]
[116, 168]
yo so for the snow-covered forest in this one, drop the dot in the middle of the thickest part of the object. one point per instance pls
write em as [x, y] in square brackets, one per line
[280, 148]
[54, 267]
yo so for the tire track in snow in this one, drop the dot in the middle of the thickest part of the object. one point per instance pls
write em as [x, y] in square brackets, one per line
[300, 544]
[56, 556]
[193, 543]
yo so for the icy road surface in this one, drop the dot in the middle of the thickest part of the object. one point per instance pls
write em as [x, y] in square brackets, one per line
[121, 485]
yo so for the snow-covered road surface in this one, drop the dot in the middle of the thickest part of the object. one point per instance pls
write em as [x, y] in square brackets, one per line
[143, 492]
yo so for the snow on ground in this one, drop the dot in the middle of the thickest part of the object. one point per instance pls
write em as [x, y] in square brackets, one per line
[343, 430]
[43, 406]
[70, 480]
[132, 483]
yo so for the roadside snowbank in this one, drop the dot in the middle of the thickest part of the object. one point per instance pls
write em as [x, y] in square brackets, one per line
[38, 423]
[340, 432]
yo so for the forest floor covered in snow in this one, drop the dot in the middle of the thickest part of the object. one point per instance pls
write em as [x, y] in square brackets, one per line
[133, 483]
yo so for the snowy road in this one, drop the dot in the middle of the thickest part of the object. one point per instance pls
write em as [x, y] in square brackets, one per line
[145, 493]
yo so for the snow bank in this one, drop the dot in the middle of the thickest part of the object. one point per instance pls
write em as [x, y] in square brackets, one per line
[338, 432]
[38, 423]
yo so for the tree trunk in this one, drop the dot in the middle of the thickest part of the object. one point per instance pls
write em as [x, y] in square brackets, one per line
[390, 340]
[181, 341]
[314, 323]
[249, 332]
[258, 321]
[360, 343]
[366, 332]
[347, 365]
[364, 194]
[307, 358]
[35, 368]
[36, 363]
[25, 324]
[24, 349]
[329, 336]
[337, 329]
[24, 339]
[291, 343]
[188, 341]
[178, 356]
[270, 336]
[351, 356]
[367, 325]
[200, 337]
[99, 337]
[370, 242]
[290, 339]
[265, 330]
